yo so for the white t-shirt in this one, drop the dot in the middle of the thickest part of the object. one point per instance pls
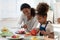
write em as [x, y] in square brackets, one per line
[49, 27]
[31, 23]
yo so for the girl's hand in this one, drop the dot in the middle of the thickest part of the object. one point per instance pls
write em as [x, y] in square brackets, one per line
[43, 32]
[51, 35]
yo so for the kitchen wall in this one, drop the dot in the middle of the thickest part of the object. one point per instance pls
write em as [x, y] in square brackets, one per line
[57, 11]
[11, 8]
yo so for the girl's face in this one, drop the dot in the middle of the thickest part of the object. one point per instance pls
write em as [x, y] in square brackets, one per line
[41, 19]
[26, 11]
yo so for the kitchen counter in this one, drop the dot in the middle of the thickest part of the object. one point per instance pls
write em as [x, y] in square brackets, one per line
[45, 38]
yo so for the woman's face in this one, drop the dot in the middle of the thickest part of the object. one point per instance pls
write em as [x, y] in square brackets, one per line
[27, 11]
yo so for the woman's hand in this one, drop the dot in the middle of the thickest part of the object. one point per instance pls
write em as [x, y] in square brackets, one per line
[25, 26]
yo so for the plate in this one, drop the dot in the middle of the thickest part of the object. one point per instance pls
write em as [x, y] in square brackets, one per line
[38, 37]
[9, 38]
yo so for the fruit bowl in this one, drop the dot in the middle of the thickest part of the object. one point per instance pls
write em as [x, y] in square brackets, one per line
[15, 37]
[6, 34]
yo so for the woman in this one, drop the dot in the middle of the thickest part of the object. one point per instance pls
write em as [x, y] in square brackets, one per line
[28, 17]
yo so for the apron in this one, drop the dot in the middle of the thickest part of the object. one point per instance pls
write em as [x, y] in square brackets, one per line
[43, 28]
